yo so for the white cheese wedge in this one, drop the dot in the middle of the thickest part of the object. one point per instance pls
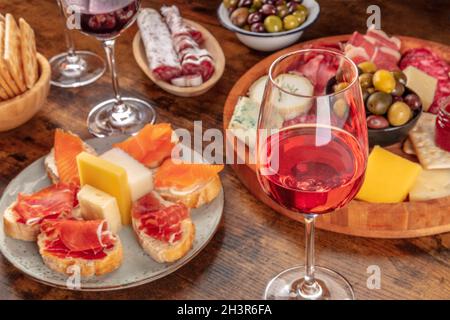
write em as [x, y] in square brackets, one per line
[422, 84]
[140, 178]
[256, 90]
[431, 184]
[96, 204]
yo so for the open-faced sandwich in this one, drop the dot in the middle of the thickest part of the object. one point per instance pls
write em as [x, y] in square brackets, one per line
[164, 229]
[89, 245]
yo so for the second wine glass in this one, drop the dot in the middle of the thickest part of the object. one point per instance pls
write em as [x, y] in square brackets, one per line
[106, 20]
[312, 152]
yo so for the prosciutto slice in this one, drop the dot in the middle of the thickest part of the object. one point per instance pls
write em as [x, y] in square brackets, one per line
[52, 202]
[77, 237]
[161, 55]
[158, 219]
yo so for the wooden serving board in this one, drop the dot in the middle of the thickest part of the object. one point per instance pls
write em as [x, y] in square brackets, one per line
[210, 43]
[359, 218]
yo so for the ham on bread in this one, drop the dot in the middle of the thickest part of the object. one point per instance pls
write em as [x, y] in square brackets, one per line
[88, 245]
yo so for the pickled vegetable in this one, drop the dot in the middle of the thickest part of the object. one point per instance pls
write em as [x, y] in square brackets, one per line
[378, 102]
[377, 122]
[290, 22]
[368, 67]
[365, 80]
[399, 114]
[384, 81]
[239, 16]
[273, 24]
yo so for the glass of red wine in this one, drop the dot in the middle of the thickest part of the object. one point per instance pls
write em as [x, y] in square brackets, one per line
[75, 68]
[312, 150]
[106, 20]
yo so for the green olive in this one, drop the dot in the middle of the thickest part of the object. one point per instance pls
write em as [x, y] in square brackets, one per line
[340, 86]
[290, 22]
[384, 80]
[282, 10]
[368, 67]
[340, 108]
[300, 15]
[302, 8]
[378, 102]
[365, 80]
[257, 4]
[399, 89]
[273, 24]
[230, 3]
[399, 114]
[400, 77]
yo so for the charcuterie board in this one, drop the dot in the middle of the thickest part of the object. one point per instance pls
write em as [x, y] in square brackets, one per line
[210, 43]
[400, 220]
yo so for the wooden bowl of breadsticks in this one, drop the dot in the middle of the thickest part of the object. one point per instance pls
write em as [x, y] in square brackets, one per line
[24, 74]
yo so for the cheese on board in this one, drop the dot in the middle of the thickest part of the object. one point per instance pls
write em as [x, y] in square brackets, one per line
[244, 121]
[422, 84]
[98, 205]
[431, 184]
[389, 177]
[107, 177]
[140, 178]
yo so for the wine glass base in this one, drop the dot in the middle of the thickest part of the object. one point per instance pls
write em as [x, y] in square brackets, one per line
[101, 122]
[72, 72]
[285, 285]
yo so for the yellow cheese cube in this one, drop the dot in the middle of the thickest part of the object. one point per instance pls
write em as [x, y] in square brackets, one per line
[389, 177]
[107, 177]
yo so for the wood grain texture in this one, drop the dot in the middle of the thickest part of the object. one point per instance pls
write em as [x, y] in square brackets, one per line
[254, 242]
[358, 218]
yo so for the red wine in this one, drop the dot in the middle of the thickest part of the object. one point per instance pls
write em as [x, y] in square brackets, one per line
[106, 19]
[312, 169]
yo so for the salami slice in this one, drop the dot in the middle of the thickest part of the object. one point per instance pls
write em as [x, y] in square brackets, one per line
[427, 61]
[177, 25]
[161, 54]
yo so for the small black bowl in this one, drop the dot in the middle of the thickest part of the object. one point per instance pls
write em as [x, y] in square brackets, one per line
[392, 135]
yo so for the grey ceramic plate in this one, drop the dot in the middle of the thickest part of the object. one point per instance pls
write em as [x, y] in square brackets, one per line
[137, 268]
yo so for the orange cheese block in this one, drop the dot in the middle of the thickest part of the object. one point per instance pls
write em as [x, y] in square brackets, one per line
[389, 177]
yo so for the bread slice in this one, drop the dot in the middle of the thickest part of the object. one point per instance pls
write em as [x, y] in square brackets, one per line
[50, 163]
[162, 251]
[18, 230]
[195, 199]
[88, 268]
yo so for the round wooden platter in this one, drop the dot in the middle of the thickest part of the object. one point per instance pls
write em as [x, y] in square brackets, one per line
[210, 43]
[359, 218]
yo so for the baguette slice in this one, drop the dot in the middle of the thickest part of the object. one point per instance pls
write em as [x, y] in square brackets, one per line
[193, 199]
[17, 230]
[163, 251]
[88, 268]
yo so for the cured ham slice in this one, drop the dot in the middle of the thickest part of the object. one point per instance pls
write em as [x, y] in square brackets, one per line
[151, 145]
[78, 238]
[430, 63]
[177, 25]
[158, 219]
[194, 60]
[161, 55]
[51, 202]
[375, 46]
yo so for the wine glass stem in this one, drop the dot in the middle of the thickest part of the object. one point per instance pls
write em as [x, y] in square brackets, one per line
[309, 288]
[109, 46]
[72, 56]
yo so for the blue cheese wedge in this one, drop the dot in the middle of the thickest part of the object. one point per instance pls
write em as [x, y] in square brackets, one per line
[244, 121]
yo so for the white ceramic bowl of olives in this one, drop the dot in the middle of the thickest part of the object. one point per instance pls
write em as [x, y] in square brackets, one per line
[268, 25]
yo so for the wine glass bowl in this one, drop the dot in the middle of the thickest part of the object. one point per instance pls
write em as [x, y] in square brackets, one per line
[312, 150]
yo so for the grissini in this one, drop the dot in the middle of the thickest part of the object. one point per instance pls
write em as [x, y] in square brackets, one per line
[87, 245]
[164, 229]
[22, 218]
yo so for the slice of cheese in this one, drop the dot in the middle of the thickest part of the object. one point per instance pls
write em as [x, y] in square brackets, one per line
[389, 177]
[422, 84]
[107, 177]
[431, 184]
[98, 205]
[140, 178]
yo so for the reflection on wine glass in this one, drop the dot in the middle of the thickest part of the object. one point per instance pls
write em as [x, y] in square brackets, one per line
[75, 68]
[312, 152]
[106, 20]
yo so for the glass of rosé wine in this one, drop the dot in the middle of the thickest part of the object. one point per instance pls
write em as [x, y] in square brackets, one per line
[312, 151]
[106, 20]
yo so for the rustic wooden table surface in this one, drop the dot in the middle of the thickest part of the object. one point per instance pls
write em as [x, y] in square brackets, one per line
[253, 243]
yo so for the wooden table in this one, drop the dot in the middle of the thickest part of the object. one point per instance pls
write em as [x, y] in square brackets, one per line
[253, 243]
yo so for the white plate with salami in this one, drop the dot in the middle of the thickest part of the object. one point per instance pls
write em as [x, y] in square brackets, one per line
[179, 55]
[137, 267]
